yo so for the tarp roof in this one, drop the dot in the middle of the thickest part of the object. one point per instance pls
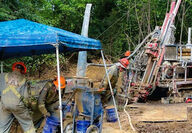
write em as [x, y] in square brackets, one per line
[23, 37]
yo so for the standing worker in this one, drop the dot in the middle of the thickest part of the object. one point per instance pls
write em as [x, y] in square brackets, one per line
[41, 98]
[11, 105]
[113, 72]
[126, 76]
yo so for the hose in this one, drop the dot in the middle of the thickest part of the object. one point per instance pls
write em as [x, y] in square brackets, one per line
[129, 118]
[139, 46]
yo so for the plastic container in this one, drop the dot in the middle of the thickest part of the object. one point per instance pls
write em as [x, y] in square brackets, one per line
[82, 126]
[51, 125]
[111, 115]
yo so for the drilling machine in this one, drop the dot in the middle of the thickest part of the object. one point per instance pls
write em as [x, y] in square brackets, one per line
[161, 63]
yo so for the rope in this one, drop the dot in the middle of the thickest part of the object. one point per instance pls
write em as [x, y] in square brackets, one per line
[111, 26]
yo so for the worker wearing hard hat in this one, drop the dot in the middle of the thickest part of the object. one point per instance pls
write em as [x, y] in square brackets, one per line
[113, 72]
[127, 53]
[49, 96]
[43, 98]
[126, 75]
[11, 105]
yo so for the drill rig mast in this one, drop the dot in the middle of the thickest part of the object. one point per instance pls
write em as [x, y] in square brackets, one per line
[153, 69]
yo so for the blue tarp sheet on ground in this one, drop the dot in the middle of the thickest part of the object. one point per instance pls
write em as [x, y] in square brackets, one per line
[24, 38]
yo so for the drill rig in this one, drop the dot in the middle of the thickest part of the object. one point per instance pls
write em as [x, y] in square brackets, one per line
[159, 63]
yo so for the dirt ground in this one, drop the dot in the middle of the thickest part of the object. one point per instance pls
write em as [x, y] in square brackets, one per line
[160, 118]
[151, 118]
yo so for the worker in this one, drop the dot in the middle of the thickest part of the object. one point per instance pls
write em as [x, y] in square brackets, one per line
[43, 99]
[11, 105]
[127, 53]
[126, 76]
[113, 72]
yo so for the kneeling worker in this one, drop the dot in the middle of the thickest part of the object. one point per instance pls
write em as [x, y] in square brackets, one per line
[49, 97]
[43, 98]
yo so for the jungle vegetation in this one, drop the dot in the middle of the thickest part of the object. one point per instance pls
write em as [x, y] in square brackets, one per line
[119, 24]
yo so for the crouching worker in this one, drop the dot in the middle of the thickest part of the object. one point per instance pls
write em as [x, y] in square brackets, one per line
[113, 72]
[49, 97]
[12, 105]
[43, 99]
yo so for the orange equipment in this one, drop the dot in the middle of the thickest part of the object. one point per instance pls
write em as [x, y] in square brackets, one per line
[62, 80]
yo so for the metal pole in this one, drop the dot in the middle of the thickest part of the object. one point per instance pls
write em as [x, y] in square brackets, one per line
[186, 72]
[1, 66]
[111, 89]
[59, 83]
[82, 57]
[93, 107]
[74, 117]
[180, 47]
[189, 40]
[189, 35]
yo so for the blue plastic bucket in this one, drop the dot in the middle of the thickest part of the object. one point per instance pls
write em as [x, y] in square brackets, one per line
[82, 126]
[51, 125]
[111, 115]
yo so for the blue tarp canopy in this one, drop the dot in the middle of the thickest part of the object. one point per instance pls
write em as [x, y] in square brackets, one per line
[24, 38]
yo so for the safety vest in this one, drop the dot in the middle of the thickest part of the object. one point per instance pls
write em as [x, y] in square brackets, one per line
[14, 85]
[10, 86]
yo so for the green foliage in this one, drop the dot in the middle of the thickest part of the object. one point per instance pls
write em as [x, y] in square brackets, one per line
[38, 64]
[119, 24]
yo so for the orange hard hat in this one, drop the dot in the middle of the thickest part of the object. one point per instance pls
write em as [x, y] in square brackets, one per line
[127, 53]
[124, 62]
[19, 66]
[62, 81]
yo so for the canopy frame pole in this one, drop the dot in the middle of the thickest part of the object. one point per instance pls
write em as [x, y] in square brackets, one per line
[59, 83]
[114, 102]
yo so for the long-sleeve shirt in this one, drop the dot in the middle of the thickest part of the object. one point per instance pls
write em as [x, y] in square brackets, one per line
[48, 96]
[113, 72]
